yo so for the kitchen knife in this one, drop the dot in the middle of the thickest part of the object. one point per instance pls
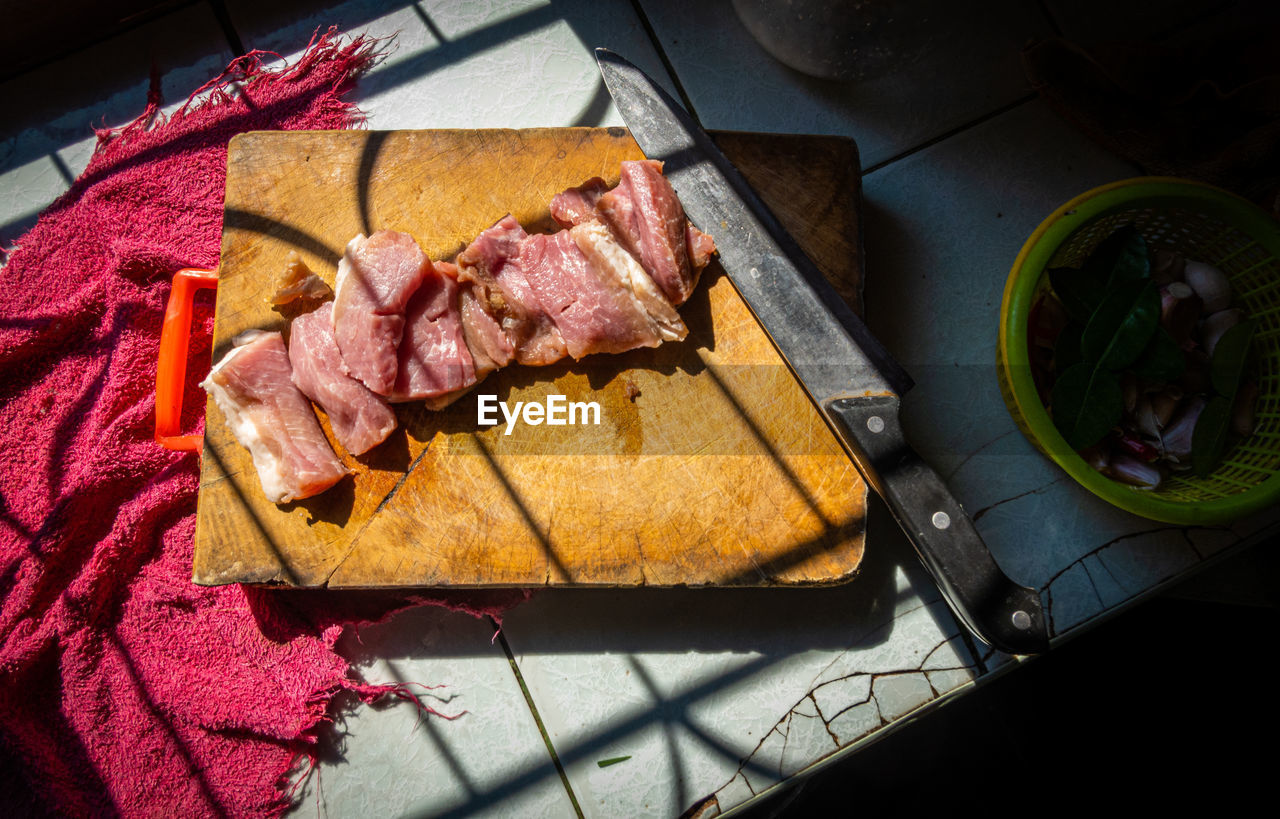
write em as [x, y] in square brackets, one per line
[847, 373]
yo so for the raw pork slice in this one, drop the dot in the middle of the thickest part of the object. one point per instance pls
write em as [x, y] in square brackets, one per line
[577, 205]
[434, 359]
[490, 348]
[376, 277]
[649, 221]
[618, 268]
[268, 415]
[584, 280]
[360, 418]
[492, 264]
[701, 246]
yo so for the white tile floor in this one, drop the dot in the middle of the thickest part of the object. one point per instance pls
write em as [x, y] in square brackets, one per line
[484, 757]
[473, 65]
[705, 692]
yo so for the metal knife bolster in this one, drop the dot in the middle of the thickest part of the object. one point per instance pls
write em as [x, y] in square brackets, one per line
[1003, 614]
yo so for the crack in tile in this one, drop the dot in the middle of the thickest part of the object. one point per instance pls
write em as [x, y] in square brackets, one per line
[1098, 551]
[826, 723]
[1116, 579]
[1108, 544]
[783, 726]
[1191, 544]
[870, 696]
[837, 658]
[976, 452]
[940, 646]
[1093, 584]
[1036, 491]
[786, 737]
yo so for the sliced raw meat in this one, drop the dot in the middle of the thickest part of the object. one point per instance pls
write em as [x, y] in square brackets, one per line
[584, 280]
[577, 205]
[376, 277]
[631, 209]
[647, 217]
[492, 264]
[360, 418]
[701, 247]
[489, 345]
[434, 359]
[618, 268]
[268, 415]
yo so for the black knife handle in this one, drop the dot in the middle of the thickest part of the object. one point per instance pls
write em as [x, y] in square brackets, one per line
[998, 611]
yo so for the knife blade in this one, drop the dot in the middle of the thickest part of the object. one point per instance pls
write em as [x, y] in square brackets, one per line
[849, 375]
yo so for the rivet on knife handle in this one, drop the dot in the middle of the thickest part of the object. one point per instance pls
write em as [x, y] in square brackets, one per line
[1002, 613]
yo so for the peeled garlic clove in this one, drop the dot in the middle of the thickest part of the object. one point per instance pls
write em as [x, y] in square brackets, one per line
[1210, 284]
[1167, 266]
[1145, 419]
[1134, 472]
[1164, 404]
[1096, 456]
[1217, 324]
[1175, 441]
[1243, 410]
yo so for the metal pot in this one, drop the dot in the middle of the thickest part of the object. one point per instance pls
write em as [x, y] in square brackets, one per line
[838, 39]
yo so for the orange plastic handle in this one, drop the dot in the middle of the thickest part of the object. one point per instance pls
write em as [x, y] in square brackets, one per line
[171, 369]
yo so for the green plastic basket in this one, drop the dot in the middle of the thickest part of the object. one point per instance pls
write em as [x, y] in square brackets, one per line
[1202, 223]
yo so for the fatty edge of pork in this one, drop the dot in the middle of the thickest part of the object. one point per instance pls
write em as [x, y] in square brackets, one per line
[270, 417]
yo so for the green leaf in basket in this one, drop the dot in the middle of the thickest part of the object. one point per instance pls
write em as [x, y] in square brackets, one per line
[1086, 403]
[604, 763]
[1209, 438]
[1121, 257]
[1078, 290]
[1122, 326]
[1230, 358]
[1162, 360]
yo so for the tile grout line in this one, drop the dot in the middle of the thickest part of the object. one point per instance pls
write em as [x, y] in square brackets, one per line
[537, 718]
[959, 129]
[666, 62]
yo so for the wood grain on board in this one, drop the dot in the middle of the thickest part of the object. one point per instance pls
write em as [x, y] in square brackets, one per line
[709, 465]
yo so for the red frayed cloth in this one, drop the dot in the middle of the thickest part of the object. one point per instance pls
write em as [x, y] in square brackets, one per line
[124, 688]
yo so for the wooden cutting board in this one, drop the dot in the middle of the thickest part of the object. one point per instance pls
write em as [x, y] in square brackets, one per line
[709, 466]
